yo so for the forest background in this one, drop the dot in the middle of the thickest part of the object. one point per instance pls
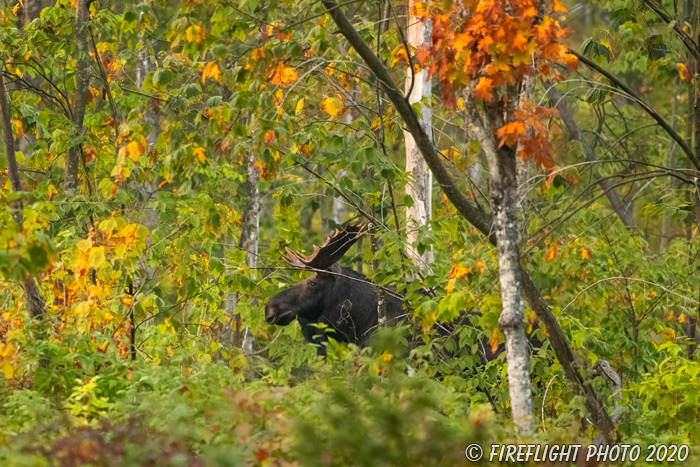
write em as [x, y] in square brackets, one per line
[159, 157]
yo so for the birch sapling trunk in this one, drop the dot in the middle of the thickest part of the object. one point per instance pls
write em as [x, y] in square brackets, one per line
[35, 302]
[504, 201]
[250, 237]
[419, 189]
[504, 208]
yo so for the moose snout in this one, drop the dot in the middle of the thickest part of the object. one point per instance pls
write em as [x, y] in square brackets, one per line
[270, 313]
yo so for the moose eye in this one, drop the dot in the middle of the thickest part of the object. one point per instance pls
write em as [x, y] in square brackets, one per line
[312, 284]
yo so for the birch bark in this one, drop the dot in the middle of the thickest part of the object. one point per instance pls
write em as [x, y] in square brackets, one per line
[419, 189]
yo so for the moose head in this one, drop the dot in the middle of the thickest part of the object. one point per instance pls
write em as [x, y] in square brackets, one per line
[340, 298]
[309, 298]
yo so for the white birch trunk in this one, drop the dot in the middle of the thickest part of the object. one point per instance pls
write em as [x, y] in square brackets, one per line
[503, 195]
[419, 189]
[250, 235]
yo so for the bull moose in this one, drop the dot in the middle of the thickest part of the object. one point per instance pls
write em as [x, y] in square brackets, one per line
[337, 297]
[342, 299]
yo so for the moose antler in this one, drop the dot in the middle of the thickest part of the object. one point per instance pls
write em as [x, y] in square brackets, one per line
[332, 250]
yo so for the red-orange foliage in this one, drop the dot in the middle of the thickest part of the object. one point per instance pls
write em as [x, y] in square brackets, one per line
[497, 43]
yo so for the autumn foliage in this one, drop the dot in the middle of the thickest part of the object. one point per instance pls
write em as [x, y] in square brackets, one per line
[485, 46]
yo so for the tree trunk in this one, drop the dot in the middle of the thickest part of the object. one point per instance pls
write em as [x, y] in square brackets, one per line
[504, 209]
[31, 10]
[503, 196]
[82, 82]
[338, 206]
[419, 188]
[250, 236]
[35, 302]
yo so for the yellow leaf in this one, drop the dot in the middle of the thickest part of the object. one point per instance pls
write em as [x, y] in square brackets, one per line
[681, 318]
[460, 104]
[300, 105]
[552, 251]
[683, 72]
[194, 34]
[134, 151]
[333, 106]
[279, 96]
[289, 75]
[257, 54]
[51, 191]
[14, 12]
[211, 70]
[7, 369]
[199, 154]
[585, 254]
[17, 127]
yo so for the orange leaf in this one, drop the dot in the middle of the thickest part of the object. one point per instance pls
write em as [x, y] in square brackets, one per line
[494, 341]
[483, 89]
[509, 133]
[559, 7]
[585, 254]
[270, 137]
[552, 251]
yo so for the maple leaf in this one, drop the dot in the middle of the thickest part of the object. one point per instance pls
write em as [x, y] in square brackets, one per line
[289, 75]
[483, 89]
[509, 133]
[520, 42]
[552, 251]
[558, 7]
[211, 70]
[571, 62]
[333, 106]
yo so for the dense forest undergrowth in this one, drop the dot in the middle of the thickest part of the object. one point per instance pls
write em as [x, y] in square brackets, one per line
[525, 172]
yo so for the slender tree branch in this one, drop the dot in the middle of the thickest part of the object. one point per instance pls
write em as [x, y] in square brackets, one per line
[575, 133]
[652, 113]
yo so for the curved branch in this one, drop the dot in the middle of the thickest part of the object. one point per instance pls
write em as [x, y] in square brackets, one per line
[652, 113]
